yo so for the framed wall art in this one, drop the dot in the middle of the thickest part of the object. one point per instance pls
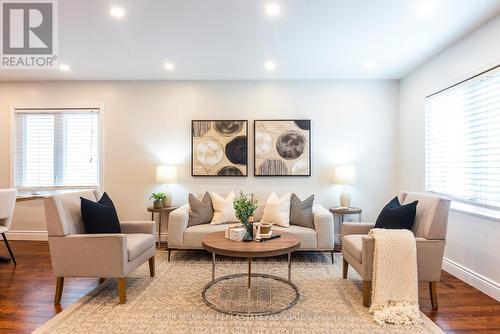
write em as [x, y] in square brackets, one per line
[282, 147]
[219, 148]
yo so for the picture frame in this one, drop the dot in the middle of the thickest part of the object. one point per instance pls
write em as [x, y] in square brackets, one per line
[282, 147]
[219, 148]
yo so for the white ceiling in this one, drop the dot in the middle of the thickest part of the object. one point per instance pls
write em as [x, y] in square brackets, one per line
[231, 39]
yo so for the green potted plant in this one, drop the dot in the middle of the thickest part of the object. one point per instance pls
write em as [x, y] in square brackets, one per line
[244, 208]
[158, 199]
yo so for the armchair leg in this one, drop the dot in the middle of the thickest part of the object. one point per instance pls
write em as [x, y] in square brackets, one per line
[59, 290]
[333, 258]
[9, 249]
[367, 293]
[152, 266]
[122, 290]
[169, 251]
[345, 267]
[433, 293]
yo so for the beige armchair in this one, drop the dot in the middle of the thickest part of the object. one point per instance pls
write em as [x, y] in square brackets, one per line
[430, 234]
[7, 204]
[76, 254]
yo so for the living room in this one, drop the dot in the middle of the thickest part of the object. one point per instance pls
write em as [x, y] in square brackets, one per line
[361, 104]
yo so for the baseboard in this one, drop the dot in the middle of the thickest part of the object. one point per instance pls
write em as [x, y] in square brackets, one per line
[483, 284]
[27, 235]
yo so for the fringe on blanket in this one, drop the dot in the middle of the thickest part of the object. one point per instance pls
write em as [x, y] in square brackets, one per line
[386, 310]
[396, 313]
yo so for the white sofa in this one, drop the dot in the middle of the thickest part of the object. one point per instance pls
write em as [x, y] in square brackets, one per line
[184, 237]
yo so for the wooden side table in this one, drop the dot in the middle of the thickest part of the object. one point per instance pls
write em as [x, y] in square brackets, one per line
[342, 212]
[161, 211]
[346, 211]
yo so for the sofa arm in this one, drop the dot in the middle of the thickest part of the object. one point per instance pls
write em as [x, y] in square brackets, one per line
[356, 228]
[367, 251]
[429, 259]
[89, 255]
[323, 224]
[177, 224]
[129, 227]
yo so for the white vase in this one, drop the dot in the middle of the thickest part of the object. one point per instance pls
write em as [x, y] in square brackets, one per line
[167, 200]
[345, 198]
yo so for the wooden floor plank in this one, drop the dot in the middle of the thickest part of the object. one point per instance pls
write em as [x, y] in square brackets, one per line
[27, 291]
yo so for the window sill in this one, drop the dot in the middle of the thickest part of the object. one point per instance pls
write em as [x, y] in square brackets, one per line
[476, 211]
[26, 192]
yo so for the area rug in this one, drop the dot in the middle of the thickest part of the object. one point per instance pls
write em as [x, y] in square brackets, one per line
[171, 302]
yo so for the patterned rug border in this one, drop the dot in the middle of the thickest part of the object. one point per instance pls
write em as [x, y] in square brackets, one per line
[96, 291]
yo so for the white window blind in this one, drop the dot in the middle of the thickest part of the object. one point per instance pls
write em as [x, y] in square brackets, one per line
[462, 141]
[56, 148]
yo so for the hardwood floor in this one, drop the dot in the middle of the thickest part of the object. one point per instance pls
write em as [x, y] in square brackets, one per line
[27, 292]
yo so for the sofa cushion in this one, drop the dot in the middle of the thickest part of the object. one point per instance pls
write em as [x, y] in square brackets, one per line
[352, 244]
[194, 234]
[308, 236]
[261, 199]
[397, 216]
[138, 243]
[277, 210]
[100, 216]
[201, 211]
[223, 209]
[301, 212]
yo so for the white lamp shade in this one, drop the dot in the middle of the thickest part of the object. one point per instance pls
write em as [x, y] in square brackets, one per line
[166, 174]
[344, 175]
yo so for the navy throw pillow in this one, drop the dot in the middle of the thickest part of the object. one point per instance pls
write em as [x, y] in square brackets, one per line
[101, 216]
[397, 216]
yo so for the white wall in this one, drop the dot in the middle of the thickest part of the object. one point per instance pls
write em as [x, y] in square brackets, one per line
[473, 251]
[148, 123]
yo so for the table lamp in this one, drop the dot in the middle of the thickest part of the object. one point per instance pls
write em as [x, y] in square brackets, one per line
[345, 175]
[166, 175]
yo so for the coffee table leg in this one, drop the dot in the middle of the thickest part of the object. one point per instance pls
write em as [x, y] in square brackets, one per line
[249, 273]
[213, 266]
[289, 267]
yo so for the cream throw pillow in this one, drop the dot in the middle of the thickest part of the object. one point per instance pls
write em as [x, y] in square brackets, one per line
[277, 210]
[223, 209]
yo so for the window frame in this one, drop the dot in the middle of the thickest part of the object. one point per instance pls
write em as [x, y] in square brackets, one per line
[462, 205]
[34, 108]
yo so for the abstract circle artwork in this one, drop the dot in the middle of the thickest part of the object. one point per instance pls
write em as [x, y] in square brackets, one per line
[236, 150]
[282, 147]
[219, 148]
[228, 128]
[290, 145]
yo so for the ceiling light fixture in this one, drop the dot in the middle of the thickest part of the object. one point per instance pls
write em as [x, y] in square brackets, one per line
[272, 9]
[64, 67]
[270, 65]
[368, 65]
[117, 12]
[169, 66]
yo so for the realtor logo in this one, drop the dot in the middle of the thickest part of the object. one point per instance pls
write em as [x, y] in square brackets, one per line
[28, 34]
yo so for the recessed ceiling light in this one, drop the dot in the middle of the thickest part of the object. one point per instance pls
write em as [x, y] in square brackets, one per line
[368, 65]
[426, 8]
[117, 12]
[270, 65]
[272, 9]
[64, 67]
[169, 66]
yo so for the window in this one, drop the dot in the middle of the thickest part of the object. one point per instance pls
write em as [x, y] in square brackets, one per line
[56, 148]
[462, 141]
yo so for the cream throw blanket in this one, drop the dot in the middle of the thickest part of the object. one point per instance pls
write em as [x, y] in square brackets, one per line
[395, 279]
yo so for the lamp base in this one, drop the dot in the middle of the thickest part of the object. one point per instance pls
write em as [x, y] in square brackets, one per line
[345, 199]
[167, 200]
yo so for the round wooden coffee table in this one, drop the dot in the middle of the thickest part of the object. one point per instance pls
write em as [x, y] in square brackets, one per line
[216, 243]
